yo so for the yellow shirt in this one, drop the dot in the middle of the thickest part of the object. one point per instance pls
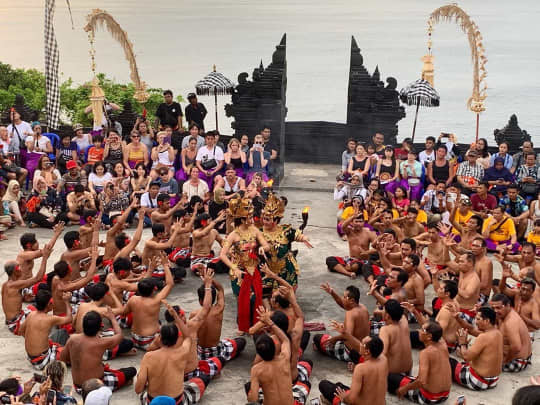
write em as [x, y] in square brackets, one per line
[534, 238]
[461, 220]
[504, 232]
[421, 217]
[347, 212]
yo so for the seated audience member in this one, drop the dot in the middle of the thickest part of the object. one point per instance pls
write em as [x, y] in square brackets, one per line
[235, 157]
[360, 163]
[528, 176]
[194, 185]
[504, 155]
[388, 171]
[517, 208]
[439, 169]
[428, 155]
[187, 159]
[47, 171]
[347, 154]
[470, 173]
[498, 177]
[98, 178]
[65, 152]
[499, 230]
[10, 202]
[411, 174]
[482, 201]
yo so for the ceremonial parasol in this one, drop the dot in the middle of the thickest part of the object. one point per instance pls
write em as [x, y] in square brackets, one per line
[214, 84]
[419, 93]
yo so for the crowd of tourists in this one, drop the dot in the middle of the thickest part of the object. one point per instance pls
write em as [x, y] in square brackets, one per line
[416, 224]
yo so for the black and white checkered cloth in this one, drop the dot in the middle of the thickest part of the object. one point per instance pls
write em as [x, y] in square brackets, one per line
[420, 92]
[52, 59]
[214, 83]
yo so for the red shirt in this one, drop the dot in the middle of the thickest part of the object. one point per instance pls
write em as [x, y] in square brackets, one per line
[482, 205]
[95, 154]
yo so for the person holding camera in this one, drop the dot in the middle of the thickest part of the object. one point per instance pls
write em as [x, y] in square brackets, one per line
[210, 159]
[77, 201]
[258, 159]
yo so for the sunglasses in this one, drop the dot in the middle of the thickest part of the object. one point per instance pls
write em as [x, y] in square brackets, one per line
[135, 136]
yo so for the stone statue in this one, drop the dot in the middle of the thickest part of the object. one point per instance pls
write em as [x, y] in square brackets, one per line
[512, 134]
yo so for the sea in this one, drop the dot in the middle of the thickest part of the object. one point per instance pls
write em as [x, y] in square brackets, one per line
[177, 42]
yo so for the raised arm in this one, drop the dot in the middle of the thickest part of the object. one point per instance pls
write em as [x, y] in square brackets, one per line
[326, 287]
[126, 250]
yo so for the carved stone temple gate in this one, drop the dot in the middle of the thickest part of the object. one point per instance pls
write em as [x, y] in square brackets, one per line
[371, 107]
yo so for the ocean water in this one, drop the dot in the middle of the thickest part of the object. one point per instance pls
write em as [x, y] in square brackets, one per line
[177, 42]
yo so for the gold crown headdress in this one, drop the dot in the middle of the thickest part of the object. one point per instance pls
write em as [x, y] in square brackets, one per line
[240, 207]
[274, 206]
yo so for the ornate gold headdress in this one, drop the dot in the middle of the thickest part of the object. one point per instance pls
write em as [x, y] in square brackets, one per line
[274, 207]
[240, 207]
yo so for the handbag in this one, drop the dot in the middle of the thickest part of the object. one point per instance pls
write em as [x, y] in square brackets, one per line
[529, 188]
[210, 163]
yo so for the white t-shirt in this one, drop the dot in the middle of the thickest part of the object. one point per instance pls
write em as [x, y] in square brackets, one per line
[146, 202]
[425, 158]
[214, 153]
[201, 189]
[100, 181]
[24, 129]
[42, 143]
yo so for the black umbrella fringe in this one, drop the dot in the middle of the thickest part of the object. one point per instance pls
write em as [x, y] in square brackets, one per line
[210, 91]
[424, 101]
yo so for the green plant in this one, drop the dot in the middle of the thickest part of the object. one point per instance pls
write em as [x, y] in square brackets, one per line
[73, 98]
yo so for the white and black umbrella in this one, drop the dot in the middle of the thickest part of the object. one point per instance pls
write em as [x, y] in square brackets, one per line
[214, 84]
[419, 93]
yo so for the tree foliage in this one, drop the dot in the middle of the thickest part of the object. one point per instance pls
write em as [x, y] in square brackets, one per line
[73, 98]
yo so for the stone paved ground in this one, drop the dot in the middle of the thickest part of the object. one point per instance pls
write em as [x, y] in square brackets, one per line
[318, 306]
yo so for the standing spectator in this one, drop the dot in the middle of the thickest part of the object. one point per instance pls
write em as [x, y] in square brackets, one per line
[503, 153]
[439, 169]
[209, 160]
[428, 155]
[195, 111]
[38, 143]
[528, 176]
[66, 151]
[518, 159]
[169, 113]
[347, 154]
[18, 131]
[470, 173]
[270, 147]
[193, 134]
[106, 119]
[378, 141]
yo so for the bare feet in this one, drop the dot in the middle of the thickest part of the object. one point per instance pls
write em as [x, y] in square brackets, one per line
[535, 380]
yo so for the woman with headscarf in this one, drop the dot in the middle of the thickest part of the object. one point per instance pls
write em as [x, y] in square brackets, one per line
[217, 205]
[10, 202]
[499, 177]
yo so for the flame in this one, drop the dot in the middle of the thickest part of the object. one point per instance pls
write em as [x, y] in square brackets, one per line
[269, 183]
[305, 210]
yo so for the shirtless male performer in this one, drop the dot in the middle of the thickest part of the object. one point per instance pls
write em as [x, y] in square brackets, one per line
[414, 287]
[408, 224]
[84, 351]
[356, 323]
[437, 253]
[75, 253]
[390, 259]
[145, 308]
[162, 370]
[118, 225]
[181, 238]
[483, 267]
[12, 299]
[209, 339]
[87, 229]
[526, 260]
[446, 292]
[369, 379]
[395, 336]
[517, 342]
[273, 374]
[157, 244]
[163, 215]
[124, 243]
[395, 282]
[387, 222]
[484, 358]
[30, 252]
[468, 285]
[359, 239]
[432, 385]
[525, 303]
[204, 235]
[41, 350]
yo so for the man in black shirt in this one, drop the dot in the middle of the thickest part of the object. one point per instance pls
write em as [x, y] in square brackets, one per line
[378, 141]
[169, 113]
[271, 148]
[195, 111]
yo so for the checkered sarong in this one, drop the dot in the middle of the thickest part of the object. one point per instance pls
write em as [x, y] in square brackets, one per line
[41, 361]
[202, 261]
[300, 391]
[466, 376]
[375, 326]
[338, 350]
[517, 365]
[210, 367]
[142, 342]
[52, 60]
[226, 348]
[180, 254]
[421, 396]
[15, 323]
[304, 371]
[467, 315]
[193, 392]
[114, 379]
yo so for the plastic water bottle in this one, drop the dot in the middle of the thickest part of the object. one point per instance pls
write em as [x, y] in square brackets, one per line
[5, 204]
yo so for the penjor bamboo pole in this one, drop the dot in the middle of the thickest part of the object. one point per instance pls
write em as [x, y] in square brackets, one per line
[477, 125]
[415, 118]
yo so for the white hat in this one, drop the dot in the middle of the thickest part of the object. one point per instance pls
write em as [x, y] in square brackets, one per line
[101, 396]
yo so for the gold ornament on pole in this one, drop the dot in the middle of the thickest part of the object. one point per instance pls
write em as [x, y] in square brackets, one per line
[453, 12]
[102, 18]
